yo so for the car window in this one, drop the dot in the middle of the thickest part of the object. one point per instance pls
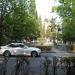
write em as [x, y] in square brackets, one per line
[20, 45]
[13, 45]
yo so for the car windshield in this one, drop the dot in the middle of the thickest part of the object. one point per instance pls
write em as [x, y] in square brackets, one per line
[15, 45]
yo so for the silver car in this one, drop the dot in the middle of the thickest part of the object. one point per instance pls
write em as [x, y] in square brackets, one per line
[19, 49]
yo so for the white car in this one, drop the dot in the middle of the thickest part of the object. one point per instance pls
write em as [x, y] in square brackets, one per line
[19, 49]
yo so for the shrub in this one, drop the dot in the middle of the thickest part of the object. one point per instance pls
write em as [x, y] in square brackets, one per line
[44, 48]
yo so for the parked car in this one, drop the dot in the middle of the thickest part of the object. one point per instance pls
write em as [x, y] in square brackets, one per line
[19, 49]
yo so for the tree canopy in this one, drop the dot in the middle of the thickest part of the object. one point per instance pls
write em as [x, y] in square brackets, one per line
[66, 10]
[18, 19]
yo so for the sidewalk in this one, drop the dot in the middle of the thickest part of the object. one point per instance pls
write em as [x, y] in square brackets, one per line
[56, 50]
[65, 51]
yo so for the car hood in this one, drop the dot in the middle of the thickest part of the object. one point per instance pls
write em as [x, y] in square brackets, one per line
[4, 47]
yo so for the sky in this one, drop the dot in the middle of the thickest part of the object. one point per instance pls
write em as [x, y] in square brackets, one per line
[44, 8]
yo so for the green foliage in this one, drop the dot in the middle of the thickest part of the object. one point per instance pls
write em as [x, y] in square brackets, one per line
[51, 30]
[19, 21]
[44, 48]
[66, 10]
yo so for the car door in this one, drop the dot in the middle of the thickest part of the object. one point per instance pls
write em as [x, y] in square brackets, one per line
[19, 49]
[26, 50]
[11, 48]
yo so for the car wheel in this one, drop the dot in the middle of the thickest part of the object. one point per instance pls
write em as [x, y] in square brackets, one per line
[7, 53]
[34, 54]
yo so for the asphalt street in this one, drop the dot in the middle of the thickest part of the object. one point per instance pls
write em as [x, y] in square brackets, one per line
[49, 63]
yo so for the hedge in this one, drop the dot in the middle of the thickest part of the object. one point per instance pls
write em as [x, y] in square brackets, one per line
[44, 48]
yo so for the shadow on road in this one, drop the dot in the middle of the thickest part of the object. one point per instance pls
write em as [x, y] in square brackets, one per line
[43, 65]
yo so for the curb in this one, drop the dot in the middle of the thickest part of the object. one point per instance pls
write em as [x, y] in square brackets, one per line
[48, 52]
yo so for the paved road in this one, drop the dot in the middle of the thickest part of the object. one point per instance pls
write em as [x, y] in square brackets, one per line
[58, 53]
[49, 63]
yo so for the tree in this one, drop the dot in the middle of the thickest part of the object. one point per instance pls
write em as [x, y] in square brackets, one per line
[51, 30]
[32, 8]
[18, 21]
[3, 11]
[66, 10]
